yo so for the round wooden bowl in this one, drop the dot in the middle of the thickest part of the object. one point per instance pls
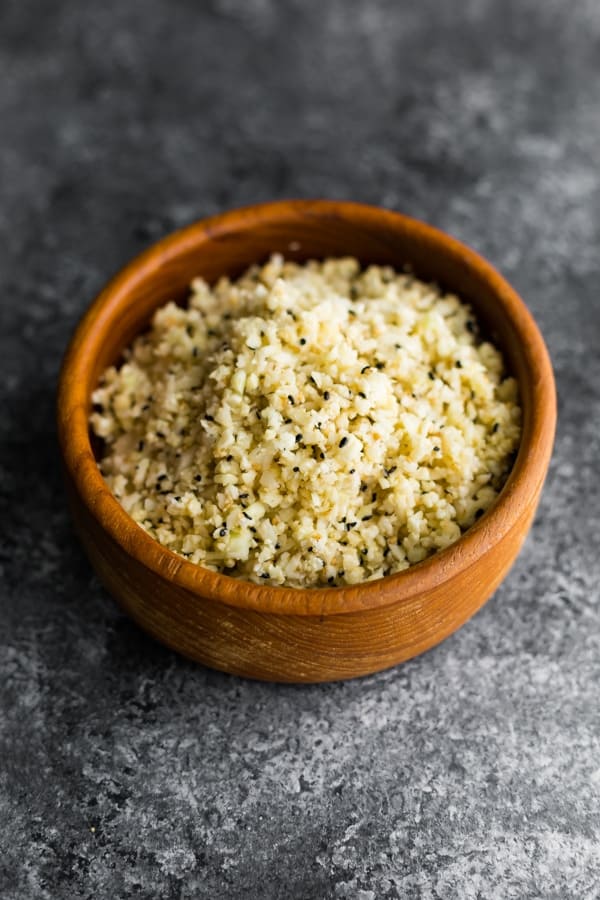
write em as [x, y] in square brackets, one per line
[278, 633]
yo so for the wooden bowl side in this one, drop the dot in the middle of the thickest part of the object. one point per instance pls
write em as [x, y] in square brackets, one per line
[293, 648]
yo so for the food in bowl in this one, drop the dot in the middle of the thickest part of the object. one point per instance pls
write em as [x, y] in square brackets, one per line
[309, 424]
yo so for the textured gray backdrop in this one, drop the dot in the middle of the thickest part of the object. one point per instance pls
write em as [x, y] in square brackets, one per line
[472, 772]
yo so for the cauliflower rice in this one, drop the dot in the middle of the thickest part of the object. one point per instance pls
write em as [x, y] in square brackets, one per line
[308, 425]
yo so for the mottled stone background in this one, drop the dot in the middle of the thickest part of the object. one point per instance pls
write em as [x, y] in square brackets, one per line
[472, 772]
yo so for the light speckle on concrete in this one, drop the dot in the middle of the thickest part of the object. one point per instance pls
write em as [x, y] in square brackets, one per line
[472, 772]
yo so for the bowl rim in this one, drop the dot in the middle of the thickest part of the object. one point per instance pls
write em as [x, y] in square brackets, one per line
[516, 498]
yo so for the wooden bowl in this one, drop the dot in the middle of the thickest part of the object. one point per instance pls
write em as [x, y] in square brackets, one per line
[290, 634]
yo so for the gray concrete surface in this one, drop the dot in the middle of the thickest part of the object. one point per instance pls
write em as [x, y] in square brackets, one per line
[472, 772]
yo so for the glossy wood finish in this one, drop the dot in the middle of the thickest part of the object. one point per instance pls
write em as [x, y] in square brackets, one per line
[288, 634]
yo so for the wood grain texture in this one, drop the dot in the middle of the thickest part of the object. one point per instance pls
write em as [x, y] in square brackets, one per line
[288, 634]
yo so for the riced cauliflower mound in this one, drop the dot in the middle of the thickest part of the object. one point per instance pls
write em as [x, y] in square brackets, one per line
[308, 425]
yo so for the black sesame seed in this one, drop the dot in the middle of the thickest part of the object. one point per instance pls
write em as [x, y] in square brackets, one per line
[278, 546]
[264, 575]
[302, 342]
[373, 497]
[350, 525]
[436, 449]
[363, 488]
[366, 518]
[298, 438]
[310, 549]
[252, 529]
[343, 442]
[242, 496]
[326, 395]
[141, 446]
[321, 455]
[160, 434]
[296, 469]
[495, 428]
[223, 532]
[364, 369]
[291, 399]
[229, 457]
[380, 365]
[352, 471]
[362, 394]
[209, 418]
[246, 516]
[458, 364]
[364, 551]
[479, 513]
[431, 376]
[330, 580]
